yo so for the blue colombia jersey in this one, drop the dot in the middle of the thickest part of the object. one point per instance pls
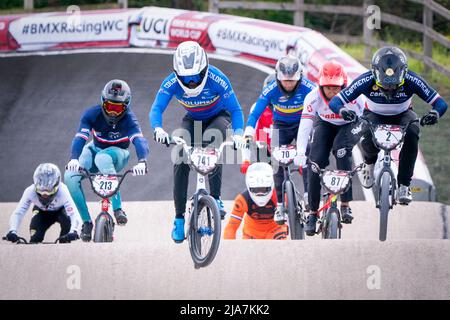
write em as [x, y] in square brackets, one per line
[216, 96]
[285, 108]
[377, 102]
[104, 135]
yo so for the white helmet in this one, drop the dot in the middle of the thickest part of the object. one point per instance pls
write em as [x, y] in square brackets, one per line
[46, 179]
[288, 68]
[259, 182]
[191, 67]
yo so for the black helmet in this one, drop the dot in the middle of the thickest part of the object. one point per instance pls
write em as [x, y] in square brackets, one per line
[288, 68]
[116, 97]
[389, 67]
[46, 180]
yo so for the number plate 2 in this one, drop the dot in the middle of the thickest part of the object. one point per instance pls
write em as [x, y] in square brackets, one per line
[388, 136]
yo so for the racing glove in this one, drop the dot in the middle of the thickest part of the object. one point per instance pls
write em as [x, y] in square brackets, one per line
[67, 238]
[430, 119]
[161, 136]
[73, 165]
[12, 236]
[140, 169]
[348, 115]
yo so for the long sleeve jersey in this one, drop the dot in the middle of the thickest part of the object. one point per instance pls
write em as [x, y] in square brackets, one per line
[317, 106]
[377, 102]
[105, 135]
[285, 108]
[62, 199]
[217, 95]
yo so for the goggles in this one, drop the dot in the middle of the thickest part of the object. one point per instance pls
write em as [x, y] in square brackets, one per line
[114, 108]
[260, 191]
[193, 81]
[46, 193]
[390, 87]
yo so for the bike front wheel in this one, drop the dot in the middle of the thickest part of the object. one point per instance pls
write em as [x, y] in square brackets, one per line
[385, 204]
[205, 232]
[295, 225]
[104, 228]
[331, 228]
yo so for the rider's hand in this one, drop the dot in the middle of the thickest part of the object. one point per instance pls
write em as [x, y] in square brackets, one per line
[300, 160]
[244, 166]
[67, 238]
[240, 142]
[249, 131]
[348, 115]
[140, 169]
[73, 165]
[430, 119]
[12, 236]
[161, 136]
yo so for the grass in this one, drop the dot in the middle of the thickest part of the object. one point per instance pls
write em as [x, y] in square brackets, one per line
[434, 139]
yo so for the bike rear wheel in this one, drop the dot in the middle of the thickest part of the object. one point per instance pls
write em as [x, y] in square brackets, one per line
[295, 225]
[385, 204]
[205, 232]
[103, 231]
[331, 228]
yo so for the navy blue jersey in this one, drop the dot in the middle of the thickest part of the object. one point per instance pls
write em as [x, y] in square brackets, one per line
[377, 102]
[105, 135]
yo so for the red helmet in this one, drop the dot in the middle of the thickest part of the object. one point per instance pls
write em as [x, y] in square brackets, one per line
[332, 73]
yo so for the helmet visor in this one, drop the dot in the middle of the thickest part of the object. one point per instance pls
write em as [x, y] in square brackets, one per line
[261, 191]
[114, 109]
[192, 81]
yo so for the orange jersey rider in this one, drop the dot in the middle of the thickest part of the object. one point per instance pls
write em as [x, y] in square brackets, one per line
[258, 204]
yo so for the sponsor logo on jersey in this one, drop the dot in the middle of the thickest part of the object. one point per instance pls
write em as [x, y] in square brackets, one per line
[170, 82]
[114, 135]
[218, 79]
[357, 84]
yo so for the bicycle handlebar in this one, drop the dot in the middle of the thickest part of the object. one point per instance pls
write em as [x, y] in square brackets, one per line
[315, 167]
[89, 175]
[174, 140]
[404, 127]
[24, 241]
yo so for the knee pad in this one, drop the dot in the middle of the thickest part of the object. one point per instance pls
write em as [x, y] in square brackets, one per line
[343, 153]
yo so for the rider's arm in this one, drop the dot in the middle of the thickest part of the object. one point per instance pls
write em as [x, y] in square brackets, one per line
[261, 104]
[82, 135]
[359, 86]
[71, 209]
[306, 122]
[162, 99]
[24, 204]
[426, 93]
[240, 207]
[137, 138]
[231, 102]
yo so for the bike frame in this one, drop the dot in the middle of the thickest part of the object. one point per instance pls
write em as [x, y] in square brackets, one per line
[387, 160]
[330, 198]
[201, 177]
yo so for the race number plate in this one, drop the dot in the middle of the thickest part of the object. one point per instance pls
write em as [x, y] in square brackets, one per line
[388, 136]
[105, 185]
[284, 154]
[335, 181]
[204, 160]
